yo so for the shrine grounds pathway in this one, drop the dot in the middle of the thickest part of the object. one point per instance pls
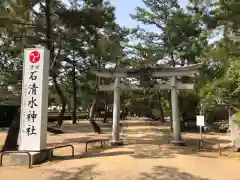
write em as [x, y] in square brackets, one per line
[146, 156]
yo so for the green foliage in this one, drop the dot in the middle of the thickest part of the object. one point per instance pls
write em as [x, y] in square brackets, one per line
[93, 39]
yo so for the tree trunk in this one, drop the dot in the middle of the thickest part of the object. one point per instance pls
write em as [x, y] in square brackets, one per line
[160, 107]
[49, 44]
[48, 15]
[11, 142]
[126, 112]
[95, 126]
[105, 108]
[74, 113]
[123, 114]
[180, 104]
[63, 101]
[172, 60]
[148, 110]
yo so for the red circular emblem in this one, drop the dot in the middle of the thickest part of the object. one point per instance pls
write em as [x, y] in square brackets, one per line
[34, 57]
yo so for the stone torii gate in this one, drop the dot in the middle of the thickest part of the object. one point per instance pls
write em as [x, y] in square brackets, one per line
[145, 75]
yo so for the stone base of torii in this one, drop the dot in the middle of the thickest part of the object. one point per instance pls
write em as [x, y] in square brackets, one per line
[174, 86]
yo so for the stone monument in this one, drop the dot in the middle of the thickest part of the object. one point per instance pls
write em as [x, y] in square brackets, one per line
[34, 106]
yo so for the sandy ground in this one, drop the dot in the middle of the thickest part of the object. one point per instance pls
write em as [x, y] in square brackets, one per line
[146, 155]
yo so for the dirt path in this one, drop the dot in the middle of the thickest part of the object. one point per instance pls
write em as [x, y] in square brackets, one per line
[146, 156]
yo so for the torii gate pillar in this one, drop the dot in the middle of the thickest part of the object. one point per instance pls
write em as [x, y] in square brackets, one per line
[177, 139]
[116, 114]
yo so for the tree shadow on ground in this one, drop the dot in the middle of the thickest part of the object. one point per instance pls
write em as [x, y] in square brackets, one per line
[84, 127]
[79, 140]
[149, 146]
[144, 123]
[94, 154]
[152, 141]
[83, 173]
[153, 145]
[168, 173]
[68, 141]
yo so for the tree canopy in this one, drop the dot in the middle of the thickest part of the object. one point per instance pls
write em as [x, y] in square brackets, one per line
[84, 34]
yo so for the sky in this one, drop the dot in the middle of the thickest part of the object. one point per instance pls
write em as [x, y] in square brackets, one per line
[126, 7]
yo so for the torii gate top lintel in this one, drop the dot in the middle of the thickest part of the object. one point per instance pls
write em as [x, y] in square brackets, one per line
[155, 72]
